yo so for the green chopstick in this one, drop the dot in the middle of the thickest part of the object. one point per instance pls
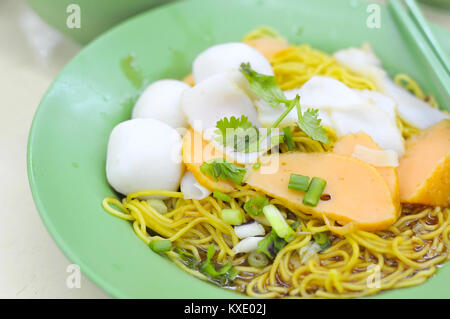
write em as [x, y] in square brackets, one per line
[423, 25]
[423, 47]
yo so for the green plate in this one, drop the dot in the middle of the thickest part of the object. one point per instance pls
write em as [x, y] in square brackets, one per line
[68, 138]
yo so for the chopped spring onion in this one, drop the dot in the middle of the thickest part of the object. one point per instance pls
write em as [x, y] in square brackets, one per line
[222, 196]
[257, 165]
[255, 206]
[158, 205]
[322, 240]
[298, 182]
[247, 245]
[232, 216]
[183, 253]
[288, 138]
[295, 224]
[187, 258]
[314, 192]
[258, 260]
[271, 245]
[278, 223]
[227, 272]
[160, 246]
[249, 229]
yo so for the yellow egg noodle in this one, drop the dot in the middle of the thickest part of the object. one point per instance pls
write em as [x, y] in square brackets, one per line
[358, 263]
[297, 64]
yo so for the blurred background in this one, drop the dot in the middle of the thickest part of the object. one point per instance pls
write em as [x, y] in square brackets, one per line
[35, 46]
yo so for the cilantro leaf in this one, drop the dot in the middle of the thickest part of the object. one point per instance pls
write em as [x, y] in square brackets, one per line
[310, 124]
[233, 123]
[265, 86]
[239, 133]
[221, 168]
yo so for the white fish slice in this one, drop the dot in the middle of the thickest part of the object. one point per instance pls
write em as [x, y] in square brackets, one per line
[372, 121]
[215, 98]
[411, 109]
[223, 57]
[191, 188]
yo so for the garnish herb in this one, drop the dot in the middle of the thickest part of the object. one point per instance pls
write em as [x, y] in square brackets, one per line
[222, 196]
[298, 182]
[265, 87]
[255, 206]
[232, 216]
[314, 192]
[160, 246]
[294, 225]
[227, 272]
[323, 240]
[221, 168]
[238, 133]
[258, 260]
[188, 259]
[271, 244]
[288, 138]
[309, 123]
[278, 223]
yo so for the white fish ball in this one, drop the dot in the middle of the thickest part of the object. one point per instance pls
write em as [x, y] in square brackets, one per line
[144, 154]
[223, 57]
[161, 101]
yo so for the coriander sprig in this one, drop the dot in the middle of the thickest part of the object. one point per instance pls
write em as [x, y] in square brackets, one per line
[266, 88]
[220, 168]
[239, 133]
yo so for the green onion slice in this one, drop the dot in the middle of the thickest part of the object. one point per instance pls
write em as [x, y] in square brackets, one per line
[227, 272]
[314, 192]
[298, 182]
[323, 240]
[232, 216]
[160, 246]
[222, 196]
[295, 224]
[278, 223]
[255, 206]
[258, 260]
[271, 244]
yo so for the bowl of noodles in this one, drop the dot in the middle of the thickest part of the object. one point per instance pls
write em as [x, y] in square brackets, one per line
[266, 159]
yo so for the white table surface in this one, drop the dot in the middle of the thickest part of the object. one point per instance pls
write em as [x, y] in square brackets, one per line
[31, 55]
